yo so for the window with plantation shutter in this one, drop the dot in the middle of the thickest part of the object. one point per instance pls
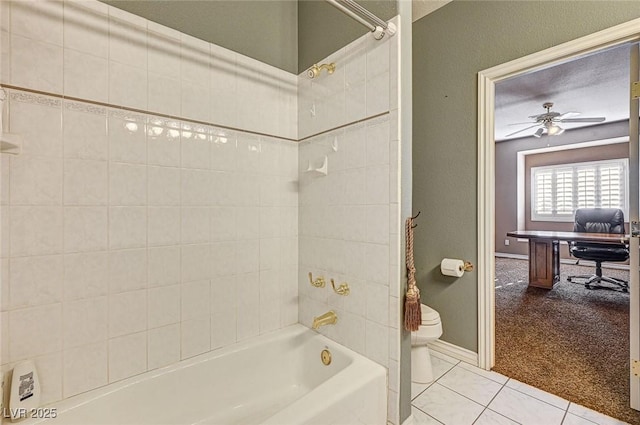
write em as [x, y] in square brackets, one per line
[610, 193]
[544, 192]
[558, 190]
[586, 196]
[563, 192]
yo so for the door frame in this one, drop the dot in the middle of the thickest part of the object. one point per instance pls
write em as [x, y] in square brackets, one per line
[619, 34]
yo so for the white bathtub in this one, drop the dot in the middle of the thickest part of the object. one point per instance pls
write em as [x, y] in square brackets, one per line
[276, 379]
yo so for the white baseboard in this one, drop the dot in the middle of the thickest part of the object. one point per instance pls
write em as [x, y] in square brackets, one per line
[454, 351]
[509, 255]
[566, 261]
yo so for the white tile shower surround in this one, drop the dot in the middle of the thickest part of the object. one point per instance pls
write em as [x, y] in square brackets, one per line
[349, 227]
[121, 193]
[89, 50]
[129, 240]
[137, 241]
[360, 87]
[464, 395]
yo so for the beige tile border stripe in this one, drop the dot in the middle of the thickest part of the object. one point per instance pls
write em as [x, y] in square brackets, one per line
[173, 117]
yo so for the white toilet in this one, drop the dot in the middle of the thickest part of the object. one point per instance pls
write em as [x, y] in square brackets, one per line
[430, 330]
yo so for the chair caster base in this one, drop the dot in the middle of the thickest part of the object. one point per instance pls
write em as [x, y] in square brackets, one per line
[593, 282]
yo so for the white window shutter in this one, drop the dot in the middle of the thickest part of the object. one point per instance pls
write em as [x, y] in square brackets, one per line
[544, 193]
[564, 191]
[611, 185]
[586, 190]
[558, 190]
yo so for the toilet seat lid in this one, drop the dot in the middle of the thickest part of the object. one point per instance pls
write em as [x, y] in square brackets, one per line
[429, 315]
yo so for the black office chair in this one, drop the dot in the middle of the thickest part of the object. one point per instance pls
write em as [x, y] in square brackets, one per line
[599, 220]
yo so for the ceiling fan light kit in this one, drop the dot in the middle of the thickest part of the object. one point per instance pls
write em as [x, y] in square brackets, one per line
[548, 122]
[553, 130]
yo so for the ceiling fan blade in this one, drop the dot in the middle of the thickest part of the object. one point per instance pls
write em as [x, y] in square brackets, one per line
[568, 115]
[586, 119]
[519, 131]
[520, 123]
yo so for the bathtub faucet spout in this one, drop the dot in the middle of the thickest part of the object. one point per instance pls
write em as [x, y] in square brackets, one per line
[329, 318]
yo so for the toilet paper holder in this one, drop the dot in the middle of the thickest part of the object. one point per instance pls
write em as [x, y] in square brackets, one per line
[454, 267]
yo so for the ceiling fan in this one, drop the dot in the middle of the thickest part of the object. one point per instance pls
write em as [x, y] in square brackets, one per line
[548, 121]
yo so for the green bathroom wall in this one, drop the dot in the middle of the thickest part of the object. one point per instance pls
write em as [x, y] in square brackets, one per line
[406, 181]
[450, 47]
[288, 34]
[263, 30]
[323, 29]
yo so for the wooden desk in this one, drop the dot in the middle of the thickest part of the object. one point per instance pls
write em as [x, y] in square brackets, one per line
[544, 251]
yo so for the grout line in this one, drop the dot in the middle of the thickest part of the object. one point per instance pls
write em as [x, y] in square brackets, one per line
[485, 407]
[5, 222]
[344, 126]
[107, 249]
[591, 421]
[565, 415]
[63, 307]
[147, 288]
[421, 392]
[454, 391]
[428, 414]
[532, 396]
[499, 414]
[586, 419]
[486, 377]
[491, 401]
[462, 395]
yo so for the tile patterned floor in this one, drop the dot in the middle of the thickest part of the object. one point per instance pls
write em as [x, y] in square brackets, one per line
[466, 395]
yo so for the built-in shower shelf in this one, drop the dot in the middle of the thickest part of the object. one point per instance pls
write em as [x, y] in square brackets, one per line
[322, 170]
[10, 143]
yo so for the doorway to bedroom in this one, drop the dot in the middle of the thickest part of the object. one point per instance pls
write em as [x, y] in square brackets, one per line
[561, 143]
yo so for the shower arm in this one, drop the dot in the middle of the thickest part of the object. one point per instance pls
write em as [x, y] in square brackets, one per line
[363, 16]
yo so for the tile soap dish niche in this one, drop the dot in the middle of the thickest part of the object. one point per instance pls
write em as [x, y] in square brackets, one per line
[322, 170]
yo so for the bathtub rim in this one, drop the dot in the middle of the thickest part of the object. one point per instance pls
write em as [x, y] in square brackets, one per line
[291, 331]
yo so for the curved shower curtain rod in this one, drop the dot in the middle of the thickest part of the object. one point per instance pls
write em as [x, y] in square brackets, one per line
[376, 25]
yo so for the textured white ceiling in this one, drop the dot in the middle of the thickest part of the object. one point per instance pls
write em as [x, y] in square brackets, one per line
[595, 85]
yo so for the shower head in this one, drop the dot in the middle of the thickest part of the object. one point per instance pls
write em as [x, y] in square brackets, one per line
[314, 71]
